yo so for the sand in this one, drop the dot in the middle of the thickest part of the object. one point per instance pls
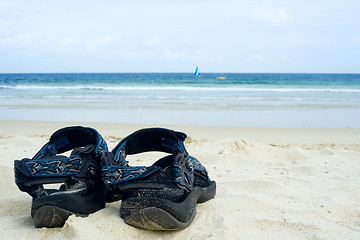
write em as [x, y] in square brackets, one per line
[272, 183]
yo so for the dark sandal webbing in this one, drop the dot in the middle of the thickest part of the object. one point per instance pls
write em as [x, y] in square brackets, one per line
[69, 138]
[152, 139]
[145, 140]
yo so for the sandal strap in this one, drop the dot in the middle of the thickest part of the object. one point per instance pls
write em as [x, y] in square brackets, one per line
[125, 175]
[60, 167]
[48, 167]
[69, 138]
[81, 166]
[118, 174]
[117, 170]
[149, 139]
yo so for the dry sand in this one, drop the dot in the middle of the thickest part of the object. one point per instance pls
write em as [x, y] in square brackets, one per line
[271, 184]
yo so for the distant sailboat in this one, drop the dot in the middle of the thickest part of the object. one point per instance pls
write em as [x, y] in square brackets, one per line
[196, 73]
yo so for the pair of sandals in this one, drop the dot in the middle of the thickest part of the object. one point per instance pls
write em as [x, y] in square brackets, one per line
[158, 197]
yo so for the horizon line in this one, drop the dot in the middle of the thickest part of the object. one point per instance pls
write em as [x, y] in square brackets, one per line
[179, 72]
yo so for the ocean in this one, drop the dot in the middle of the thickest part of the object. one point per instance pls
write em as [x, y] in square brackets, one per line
[249, 100]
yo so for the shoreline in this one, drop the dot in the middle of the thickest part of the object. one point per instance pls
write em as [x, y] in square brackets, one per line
[266, 135]
[289, 118]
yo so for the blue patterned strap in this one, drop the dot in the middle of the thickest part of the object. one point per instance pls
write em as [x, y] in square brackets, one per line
[60, 167]
[31, 174]
[129, 177]
[120, 174]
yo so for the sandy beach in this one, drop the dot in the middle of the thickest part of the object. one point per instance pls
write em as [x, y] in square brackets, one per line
[272, 183]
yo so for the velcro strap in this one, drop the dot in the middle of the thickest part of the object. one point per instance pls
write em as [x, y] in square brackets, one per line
[196, 165]
[119, 174]
[184, 171]
[119, 155]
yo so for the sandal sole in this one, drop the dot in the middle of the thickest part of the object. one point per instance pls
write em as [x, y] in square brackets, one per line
[53, 211]
[161, 214]
[153, 218]
[51, 216]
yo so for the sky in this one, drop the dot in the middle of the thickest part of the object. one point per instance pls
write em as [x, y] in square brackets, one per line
[248, 36]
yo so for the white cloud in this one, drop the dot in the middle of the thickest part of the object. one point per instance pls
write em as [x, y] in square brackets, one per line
[202, 54]
[271, 15]
[20, 40]
[98, 42]
[67, 41]
[355, 38]
[259, 57]
[153, 42]
[173, 55]
[283, 57]
[205, 56]
[141, 54]
[4, 5]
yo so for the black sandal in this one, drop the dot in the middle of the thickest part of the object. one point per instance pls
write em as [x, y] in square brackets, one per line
[82, 192]
[164, 195]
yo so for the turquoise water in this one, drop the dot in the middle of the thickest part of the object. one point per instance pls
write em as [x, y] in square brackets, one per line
[293, 100]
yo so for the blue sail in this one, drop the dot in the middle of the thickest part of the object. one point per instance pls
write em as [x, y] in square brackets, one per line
[196, 73]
